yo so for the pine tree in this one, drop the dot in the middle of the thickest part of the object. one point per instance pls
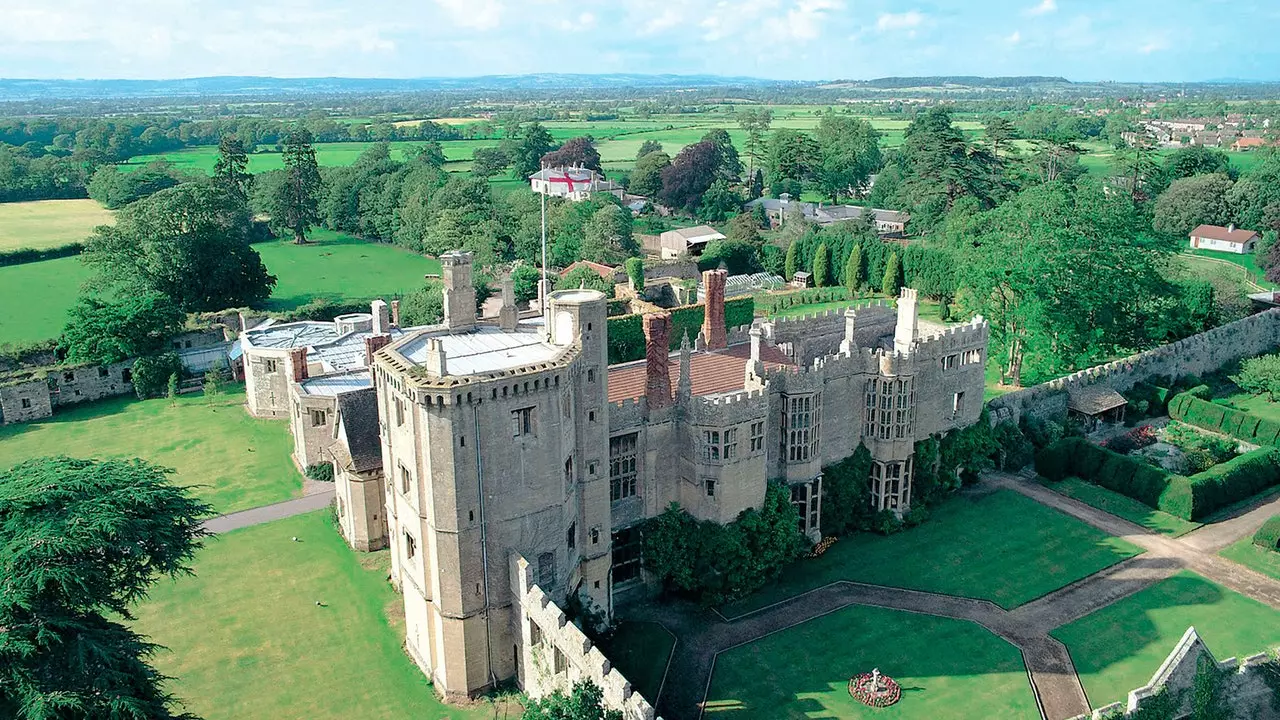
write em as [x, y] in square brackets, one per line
[892, 276]
[232, 167]
[821, 266]
[791, 264]
[172, 391]
[853, 269]
[300, 192]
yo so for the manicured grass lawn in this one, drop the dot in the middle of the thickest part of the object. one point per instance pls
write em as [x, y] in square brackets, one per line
[35, 298]
[1257, 405]
[946, 668]
[236, 461]
[1001, 546]
[640, 651]
[246, 639]
[339, 267]
[1119, 647]
[1121, 506]
[1246, 261]
[1253, 557]
[47, 223]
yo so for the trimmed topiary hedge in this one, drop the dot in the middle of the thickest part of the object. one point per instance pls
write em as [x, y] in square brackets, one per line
[1190, 498]
[1193, 410]
[1268, 536]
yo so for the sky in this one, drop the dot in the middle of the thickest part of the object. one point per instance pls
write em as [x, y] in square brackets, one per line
[1152, 40]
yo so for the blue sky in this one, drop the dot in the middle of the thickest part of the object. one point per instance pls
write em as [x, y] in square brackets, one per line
[1175, 40]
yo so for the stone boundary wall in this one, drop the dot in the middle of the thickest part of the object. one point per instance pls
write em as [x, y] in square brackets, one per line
[45, 389]
[1248, 691]
[1197, 355]
[554, 654]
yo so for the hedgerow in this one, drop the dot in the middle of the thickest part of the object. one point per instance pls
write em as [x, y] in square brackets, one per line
[1241, 425]
[30, 255]
[626, 332]
[1268, 536]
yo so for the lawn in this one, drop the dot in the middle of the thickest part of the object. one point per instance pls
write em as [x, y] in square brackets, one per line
[946, 668]
[1246, 261]
[236, 461]
[640, 651]
[340, 154]
[1119, 647]
[1257, 405]
[1000, 546]
[36, 297]
[335, 267]
[339, 267]
[246, 639]
[1253, 557]
[48, 223]
[1121, 506]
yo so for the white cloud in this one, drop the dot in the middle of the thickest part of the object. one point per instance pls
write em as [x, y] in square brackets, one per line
[804, 21]
[889, 22]
[584, 21]
[1014, 38]
[667, 19]
[1044, 8]
[476, 14]
[1155, 44]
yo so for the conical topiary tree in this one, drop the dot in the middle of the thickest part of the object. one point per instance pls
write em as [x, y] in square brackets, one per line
[822, 266]
[853, 269]
[892, 276]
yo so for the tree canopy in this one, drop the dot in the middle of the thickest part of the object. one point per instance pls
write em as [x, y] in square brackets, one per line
[103, 331]
[575, 152]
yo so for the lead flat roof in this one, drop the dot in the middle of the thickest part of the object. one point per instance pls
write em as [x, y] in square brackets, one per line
[332, 385]
[486, 349]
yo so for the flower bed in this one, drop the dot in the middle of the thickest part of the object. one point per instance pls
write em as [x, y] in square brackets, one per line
[862, 688]
[822, 546]
[1135, 439]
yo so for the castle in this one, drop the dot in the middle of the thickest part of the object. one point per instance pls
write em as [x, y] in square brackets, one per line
[508, 466]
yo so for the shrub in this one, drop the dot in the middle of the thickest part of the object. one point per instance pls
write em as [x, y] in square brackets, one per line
[1234, 480]
[1268, 536]
[846, 494]
[635, 271]
[30, 255]
[626, 332]
[320, 472]
[1229, 421]
[1259, 375]
[1018, 450]
[151, 374]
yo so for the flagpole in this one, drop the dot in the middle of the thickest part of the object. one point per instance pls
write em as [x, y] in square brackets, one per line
[542, 281]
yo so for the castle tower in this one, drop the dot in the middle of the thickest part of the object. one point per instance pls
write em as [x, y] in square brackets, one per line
[459, 292]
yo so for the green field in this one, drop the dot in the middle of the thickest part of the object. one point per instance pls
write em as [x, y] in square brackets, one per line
[335, 267]
[1257, 405]
[36, 297]
[1002, 547]
[946, 669]
[201, 159]
[1253, 557]
[246, 640]
[47, 223]
[1246, 261]
[1119, 647]
[234, 461]
[1121, 506]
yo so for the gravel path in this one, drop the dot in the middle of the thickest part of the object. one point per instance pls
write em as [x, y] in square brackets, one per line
[267, 513]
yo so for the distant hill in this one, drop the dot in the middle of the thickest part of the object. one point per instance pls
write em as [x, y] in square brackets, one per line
[971, 81]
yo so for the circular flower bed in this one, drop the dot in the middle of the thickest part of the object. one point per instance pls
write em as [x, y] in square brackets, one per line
[862, 688]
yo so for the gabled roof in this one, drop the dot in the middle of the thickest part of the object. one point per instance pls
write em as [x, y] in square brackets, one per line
[713, 372]
[604, 271]
[697, 232]
[358, 411]
[1231, 234]
[1094, 399]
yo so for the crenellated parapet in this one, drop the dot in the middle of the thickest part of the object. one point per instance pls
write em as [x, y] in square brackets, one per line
[728, 409]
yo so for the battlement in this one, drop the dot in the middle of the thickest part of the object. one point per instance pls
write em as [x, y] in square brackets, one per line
[555, 654]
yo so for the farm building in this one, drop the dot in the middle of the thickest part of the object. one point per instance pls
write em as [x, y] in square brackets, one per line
[691, 241]
[1224, 239]
[888, 222]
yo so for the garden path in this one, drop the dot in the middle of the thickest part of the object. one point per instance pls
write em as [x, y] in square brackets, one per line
[316, 499]
[703, 635]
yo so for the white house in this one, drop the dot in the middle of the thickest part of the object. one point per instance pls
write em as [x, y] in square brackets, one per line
[573, 183]
[1224, 239]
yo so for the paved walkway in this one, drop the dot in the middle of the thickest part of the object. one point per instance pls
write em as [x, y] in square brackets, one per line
[703, 635]
[267, 513]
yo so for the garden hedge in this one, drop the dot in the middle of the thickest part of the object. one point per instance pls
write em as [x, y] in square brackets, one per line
[1190, 409]
[626, 332]
[1268, 536]
[1190, 498]
[30, 255]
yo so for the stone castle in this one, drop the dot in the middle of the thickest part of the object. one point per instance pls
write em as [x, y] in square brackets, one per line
[508, 466]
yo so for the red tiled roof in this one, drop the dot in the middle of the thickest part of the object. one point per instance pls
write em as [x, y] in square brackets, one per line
[713, 372]
[603, 271]
[1217, 232]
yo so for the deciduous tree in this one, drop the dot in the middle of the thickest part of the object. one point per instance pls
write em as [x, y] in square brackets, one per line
[104, 331]
[646, 178]
[648, 146]
[848, 152]
[1191, 201]
[606, 237]
[689, 175]
[575, 152]
[487, 162]
[792, 156]
[585, 702]
[526, 155]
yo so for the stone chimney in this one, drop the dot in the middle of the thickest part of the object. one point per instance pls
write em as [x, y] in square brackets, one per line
[755, 367]
[298, 364]
[1231, 227]
[657, 347]
[850, 326]
[904, 335]
[684, 386]
[395, 313]
[713, 331]
[459, 293]
[373, 344]
[436, 363]
[381, 317]
[507, 315]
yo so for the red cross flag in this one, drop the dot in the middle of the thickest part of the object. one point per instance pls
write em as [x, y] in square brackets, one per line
[571, 178]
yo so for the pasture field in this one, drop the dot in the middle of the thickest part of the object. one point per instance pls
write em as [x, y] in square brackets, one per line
[1119, 647]
[246, 639]
[201, 159]
[946, 668]
[334, 266]
[41, 224]
[232, 460]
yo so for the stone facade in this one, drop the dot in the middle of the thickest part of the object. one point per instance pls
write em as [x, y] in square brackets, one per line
[34, 394]
[25, 400]
[1197, 355]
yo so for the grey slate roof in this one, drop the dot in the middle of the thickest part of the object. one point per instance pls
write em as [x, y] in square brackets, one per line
[1094, 399]
[358, 411]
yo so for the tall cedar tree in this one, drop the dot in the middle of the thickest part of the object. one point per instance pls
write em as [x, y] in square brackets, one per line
[84, 540]
[822, 266]
[300, 193]
[853, 268]
[575, 152]
[892, 281]
[190, 242]
[232, 167]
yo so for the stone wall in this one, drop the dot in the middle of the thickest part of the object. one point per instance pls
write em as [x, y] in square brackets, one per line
[1249, 694]
[25, 400]
[1197, 355]
[34, 394]
[553, 654]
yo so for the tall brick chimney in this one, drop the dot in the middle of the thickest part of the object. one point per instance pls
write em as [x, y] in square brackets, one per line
[713, 331]
[657, 349]
[395, 313]
[298, 364]
[373, 344]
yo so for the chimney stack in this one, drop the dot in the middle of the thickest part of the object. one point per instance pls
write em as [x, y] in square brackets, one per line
[755, 367]
[507, 315]
[373, 344]
[904, 335]
[395, 313]
[459, 293]
[850, 326]
[298, 364]
[381, 317]
[713, 331]
[657, 346]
